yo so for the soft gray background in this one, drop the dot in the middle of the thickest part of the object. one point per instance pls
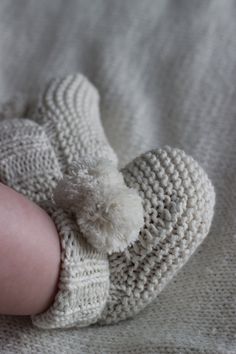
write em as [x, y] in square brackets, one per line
[166, 73]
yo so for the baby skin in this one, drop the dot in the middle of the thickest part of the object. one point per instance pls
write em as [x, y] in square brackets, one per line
[29, 255]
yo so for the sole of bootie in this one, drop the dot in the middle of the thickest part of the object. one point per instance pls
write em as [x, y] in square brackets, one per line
[178, 200]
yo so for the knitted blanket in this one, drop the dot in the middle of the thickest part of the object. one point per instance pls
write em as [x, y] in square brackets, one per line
[165, 71]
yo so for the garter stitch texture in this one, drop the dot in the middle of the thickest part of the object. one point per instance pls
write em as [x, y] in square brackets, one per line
[68, 110]
[178, 201]
[29, 165]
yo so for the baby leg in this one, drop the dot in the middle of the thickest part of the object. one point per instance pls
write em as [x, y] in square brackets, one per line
[34, 264]
[29, 255]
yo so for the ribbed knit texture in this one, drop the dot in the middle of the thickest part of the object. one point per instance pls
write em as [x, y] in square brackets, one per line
[83, 281]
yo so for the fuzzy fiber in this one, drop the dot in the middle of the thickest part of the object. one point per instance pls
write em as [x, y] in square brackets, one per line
[108, 213]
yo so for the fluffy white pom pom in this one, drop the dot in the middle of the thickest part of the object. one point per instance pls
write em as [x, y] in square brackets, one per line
[109, 214]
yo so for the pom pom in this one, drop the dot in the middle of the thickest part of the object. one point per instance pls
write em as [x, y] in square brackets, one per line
[108, 213]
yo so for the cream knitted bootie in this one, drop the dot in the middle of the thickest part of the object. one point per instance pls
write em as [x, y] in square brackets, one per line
[160, 206]
[178, 200]
[35, 155]
[68, 110]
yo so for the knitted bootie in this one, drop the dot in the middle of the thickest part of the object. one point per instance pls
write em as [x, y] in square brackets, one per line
[178, 200]
[34, 156]
[167, 180]
[68, 110]
[96, 213]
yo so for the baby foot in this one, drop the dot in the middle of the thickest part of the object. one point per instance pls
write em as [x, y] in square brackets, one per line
[176, 194]
[178, 200]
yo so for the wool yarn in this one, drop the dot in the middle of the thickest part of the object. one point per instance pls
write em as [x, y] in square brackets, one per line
[29, 165]
[28, 162]
[177, 198]
[68, 110]
[109, 214]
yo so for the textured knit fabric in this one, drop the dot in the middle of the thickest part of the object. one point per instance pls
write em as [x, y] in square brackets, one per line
[178, 202]
[24, 144]
[29, 165]
[176, 195]
[32, 160]
[83, 286]
[69, 112]
[166, 75]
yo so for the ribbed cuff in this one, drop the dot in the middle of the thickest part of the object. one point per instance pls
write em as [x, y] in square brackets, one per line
[83, 285]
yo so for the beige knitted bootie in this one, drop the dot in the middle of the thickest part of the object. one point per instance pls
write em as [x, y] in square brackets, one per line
[123, 234]
[68, 110]
[177, 197]
[37, 159]
[178, 200]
